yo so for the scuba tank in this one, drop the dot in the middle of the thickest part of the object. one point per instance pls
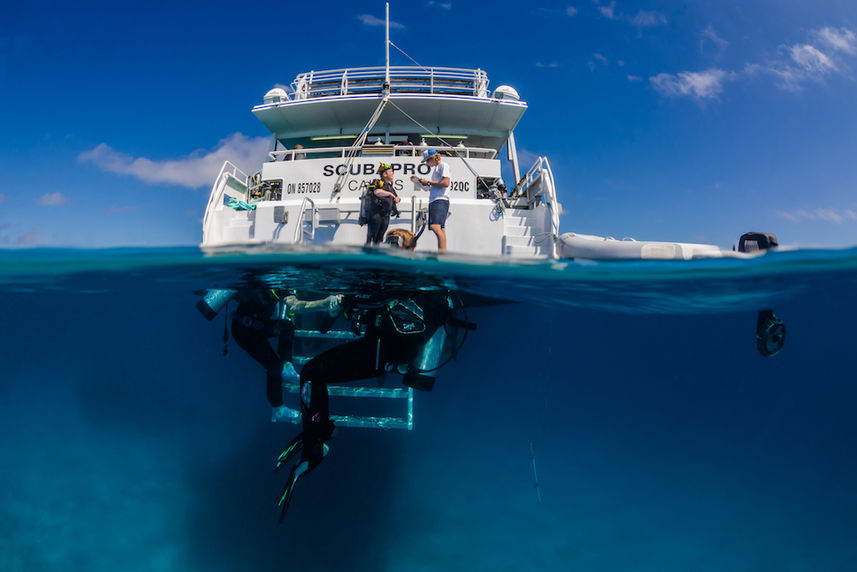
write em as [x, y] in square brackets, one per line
[213, 301]
[422, 369]
[437, 351]
[367, 200]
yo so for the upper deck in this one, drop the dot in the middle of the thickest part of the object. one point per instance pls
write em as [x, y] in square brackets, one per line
[335, 104]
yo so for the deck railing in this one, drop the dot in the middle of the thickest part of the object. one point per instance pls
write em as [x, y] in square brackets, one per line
[382, 150]
[227, 171]
[403, 79]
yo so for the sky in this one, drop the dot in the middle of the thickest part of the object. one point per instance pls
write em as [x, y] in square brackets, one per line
[661, 121]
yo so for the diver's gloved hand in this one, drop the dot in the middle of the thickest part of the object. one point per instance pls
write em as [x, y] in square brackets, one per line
[334, 305]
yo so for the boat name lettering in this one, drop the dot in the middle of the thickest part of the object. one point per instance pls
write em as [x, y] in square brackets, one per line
[363, 185]
[371, 169]
[313, 187]
[463, 186]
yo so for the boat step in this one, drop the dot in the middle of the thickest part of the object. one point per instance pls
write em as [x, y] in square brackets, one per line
[516, 230]
[289, 415]
[522, 251]
[328, 335]
[519, 241]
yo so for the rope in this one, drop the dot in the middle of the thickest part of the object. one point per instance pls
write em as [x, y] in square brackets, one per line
[409, 57]
[358, 143]
[427, 131]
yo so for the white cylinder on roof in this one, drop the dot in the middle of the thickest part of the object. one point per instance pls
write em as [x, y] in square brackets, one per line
[276, 95]
[506, 92]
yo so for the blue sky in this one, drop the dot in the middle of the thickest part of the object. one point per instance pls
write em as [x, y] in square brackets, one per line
[669, 120]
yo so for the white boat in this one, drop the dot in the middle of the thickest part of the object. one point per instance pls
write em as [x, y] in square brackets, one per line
[330, 130]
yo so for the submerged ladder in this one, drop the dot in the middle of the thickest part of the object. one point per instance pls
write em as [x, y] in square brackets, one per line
[352, 390]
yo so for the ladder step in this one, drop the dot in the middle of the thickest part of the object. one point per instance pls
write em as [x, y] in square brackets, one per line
[287, 415]
[357, 391]
[372, 422]
[329, 335]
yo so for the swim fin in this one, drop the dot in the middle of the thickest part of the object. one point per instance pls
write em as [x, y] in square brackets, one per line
[290, 451]
[298, 470]
[286, 498]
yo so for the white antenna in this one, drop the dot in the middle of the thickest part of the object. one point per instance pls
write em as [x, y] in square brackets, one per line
[387, 46]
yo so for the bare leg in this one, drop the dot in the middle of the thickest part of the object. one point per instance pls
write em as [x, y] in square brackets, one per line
[441, 236]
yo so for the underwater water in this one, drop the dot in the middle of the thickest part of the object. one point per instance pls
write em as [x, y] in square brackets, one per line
[662, 439]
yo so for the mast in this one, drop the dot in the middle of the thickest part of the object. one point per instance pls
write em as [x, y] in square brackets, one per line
[387, 47]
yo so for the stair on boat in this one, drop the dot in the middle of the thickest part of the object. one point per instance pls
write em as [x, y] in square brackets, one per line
[321, 341]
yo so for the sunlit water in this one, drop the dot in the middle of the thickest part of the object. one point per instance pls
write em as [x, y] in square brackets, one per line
[663, 440]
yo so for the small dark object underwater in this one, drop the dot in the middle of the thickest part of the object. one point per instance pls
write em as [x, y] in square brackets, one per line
[664, 440]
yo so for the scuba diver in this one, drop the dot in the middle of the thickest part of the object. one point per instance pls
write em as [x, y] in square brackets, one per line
[265, 313]
[404, 333]
[379, 203]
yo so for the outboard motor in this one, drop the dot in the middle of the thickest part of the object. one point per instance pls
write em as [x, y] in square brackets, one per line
[770, 330]
[757, 241]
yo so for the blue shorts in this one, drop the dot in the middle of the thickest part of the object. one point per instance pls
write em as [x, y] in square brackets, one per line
[438, 211]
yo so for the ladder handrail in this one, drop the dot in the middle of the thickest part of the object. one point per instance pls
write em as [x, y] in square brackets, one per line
[541, 168]
[299, 228]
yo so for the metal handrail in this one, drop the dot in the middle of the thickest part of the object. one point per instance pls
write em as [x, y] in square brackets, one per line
[469, 152]
[403, 79]
[216, 195]
[541, 168]
[299, 229]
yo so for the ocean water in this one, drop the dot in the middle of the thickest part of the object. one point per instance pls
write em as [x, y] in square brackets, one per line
[663, 441]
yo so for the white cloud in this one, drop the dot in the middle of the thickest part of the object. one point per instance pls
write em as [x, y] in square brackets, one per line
[570, 11]
[370, 20]
[706, 84]
[819, 214]
[633, 78]
[710, 35]
[548, 65]
[811, 59]
[807, 62]
[645, 19]
[444, 5]
[841, 40]
[194, 171]
[608, 11]
[52, 199]
[601, 59]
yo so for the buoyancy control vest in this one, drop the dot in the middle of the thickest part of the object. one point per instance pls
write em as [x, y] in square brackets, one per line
[371, 204]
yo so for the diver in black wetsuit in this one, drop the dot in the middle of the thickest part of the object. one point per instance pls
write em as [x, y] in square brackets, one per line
[381, 204]
[396, 332]
[264, 313]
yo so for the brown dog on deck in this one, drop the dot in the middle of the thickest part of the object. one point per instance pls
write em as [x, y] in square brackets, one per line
[407, 239]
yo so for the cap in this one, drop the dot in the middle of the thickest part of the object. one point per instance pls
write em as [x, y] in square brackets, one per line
[428, 154]
[383, 167]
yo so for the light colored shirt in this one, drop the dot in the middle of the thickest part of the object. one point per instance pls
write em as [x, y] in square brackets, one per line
[439, 193]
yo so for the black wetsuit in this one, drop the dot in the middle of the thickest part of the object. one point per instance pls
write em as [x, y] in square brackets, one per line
[253, 323]
[380, 211]
[362, 359]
